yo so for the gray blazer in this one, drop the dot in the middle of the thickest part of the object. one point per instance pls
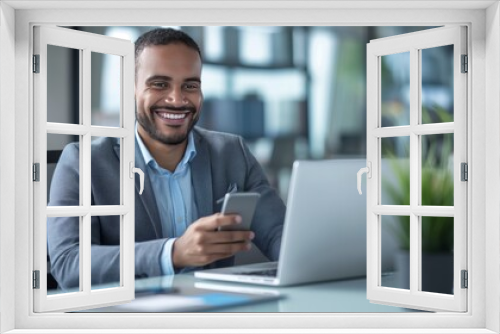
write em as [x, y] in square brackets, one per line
[222, 161]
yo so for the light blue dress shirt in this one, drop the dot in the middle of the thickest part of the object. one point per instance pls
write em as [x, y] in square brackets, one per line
[174, 198]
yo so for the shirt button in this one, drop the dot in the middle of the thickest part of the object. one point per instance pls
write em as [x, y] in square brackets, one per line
[179, 220]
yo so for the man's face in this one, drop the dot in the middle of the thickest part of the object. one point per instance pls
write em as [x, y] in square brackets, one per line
[168, 92]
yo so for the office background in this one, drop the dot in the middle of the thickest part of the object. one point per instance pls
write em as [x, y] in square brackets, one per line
[291, 92]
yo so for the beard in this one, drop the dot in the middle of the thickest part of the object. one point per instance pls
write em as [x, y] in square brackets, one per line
[149, 125]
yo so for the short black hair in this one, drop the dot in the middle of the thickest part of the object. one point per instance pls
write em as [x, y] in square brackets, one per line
[163, 36]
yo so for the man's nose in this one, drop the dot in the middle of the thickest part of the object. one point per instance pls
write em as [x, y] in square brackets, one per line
[176, 97]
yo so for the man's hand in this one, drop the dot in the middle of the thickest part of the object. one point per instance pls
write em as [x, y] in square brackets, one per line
[202, 243]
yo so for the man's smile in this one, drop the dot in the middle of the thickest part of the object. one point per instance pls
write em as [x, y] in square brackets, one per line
[172, 115]
[167, 115]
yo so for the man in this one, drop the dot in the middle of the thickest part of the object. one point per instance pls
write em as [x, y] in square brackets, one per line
[187, 170]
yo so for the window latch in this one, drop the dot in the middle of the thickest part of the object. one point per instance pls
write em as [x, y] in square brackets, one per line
[368, 171]
[133, 170]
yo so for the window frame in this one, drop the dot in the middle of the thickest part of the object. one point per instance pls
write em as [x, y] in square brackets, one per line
[414, 44]
[483, 102]
[86, 44]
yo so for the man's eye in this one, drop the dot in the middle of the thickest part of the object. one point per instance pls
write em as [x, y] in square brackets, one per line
[192, 86]
[159, 85]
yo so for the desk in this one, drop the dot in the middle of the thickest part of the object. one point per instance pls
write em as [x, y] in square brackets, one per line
[333, 296]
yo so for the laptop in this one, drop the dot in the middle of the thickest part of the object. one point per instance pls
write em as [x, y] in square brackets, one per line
[324, 233]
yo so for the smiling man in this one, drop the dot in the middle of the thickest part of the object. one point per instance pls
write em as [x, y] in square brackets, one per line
[187, 170]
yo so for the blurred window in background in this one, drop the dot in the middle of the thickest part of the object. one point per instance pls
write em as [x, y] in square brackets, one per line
[256, 44]
[214, 43]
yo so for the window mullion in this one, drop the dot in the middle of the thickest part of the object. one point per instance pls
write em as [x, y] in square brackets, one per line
[419, 129]
[80, 130]
[414, 171]
[433, 129]
[85, 149]
[85, 260]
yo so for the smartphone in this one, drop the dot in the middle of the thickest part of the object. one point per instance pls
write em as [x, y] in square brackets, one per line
[243, 204]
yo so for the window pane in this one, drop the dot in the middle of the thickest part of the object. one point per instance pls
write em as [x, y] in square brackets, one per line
[437, 84]
[63, 85]
[106, 90]
[395, 170]
[395, 77]
[105, 256]
[437, 254]
[437, 170]
[63, 259]
[59, 193]
[105, 173]
[395, 257]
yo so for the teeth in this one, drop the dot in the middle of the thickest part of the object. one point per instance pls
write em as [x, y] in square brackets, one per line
[172, 116]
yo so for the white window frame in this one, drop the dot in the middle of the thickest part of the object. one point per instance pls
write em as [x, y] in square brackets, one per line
[16, 21]
[86, 43]
[413, 43]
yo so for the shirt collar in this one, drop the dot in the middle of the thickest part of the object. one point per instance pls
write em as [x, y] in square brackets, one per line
[189, 154]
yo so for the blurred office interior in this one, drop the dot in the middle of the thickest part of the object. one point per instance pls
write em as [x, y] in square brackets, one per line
[292, 92]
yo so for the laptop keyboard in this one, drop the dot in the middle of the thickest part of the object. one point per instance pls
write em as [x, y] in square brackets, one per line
[266, 272]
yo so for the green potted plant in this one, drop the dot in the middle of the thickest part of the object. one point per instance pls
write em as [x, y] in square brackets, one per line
[437, 190]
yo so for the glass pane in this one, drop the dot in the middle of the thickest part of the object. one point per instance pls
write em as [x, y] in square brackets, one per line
[395, 257]
[437, 170]
[63, 85]
[63, 255]
[395, 170]
[106, 89]
[395, 81]
[105, 256]
[59, 176]
[437, 84]
[105, 173]
[437, 254]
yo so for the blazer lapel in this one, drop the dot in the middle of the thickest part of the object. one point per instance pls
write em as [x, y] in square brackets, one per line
[147, 198]
[201, 175]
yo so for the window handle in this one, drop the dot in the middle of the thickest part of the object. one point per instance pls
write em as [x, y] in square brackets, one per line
[368, 171]
[141, 175]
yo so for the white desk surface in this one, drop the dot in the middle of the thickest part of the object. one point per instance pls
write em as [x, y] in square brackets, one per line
[333, 296]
